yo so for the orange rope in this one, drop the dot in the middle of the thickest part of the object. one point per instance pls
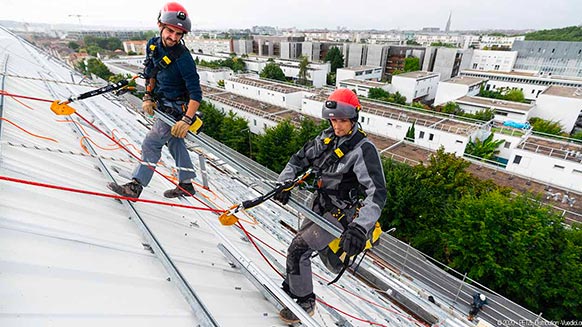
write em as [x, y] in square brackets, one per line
[22, 103]
[27, 132]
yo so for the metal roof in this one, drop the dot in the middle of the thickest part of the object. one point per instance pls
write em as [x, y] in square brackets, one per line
[76, 259]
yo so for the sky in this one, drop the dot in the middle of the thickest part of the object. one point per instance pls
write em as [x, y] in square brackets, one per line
[303, 14]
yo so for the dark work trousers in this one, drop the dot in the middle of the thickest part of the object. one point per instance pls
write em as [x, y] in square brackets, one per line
[309, 238]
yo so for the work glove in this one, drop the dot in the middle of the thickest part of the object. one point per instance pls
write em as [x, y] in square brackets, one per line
[353, 240]
[180, 128]
[285, 194]
[148, 107]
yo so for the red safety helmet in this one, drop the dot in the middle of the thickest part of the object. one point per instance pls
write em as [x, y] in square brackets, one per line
[175, 15]
[341, 104]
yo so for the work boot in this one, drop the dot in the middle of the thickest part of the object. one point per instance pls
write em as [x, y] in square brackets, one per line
[308, 304]
[176, 192]
[131, 190]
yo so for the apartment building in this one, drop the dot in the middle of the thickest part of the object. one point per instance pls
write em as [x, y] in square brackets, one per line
[373, 73]
[457, 87]
[416, 86]
[490, 60]
[278, 94]
[548, 58]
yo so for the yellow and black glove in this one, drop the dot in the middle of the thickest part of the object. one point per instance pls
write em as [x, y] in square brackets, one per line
[181, 128]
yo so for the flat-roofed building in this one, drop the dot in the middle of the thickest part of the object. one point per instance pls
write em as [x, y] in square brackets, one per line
[277, 94]
[548, 58]
[504, 110]
[139, 47]
[561, 104]
[493, 60]
[457, 87]
[416, 86]
[373, 73]
[531, 84]
[362, 88]
[392, 121]
[554, 161]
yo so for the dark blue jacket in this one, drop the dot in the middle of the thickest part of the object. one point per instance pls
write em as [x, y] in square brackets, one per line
[179, 80]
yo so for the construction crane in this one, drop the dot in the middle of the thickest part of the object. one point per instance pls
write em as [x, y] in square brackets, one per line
[78, 17]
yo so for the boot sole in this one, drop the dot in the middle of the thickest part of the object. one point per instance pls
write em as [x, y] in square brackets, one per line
[289, 321]
[115, 187]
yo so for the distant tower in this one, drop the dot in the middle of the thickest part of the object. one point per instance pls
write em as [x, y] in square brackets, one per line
[448, 26]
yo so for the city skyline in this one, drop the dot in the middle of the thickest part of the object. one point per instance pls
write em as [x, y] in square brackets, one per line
[302, 14]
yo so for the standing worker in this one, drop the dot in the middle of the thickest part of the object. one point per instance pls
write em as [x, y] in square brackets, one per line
[349, 183]
[173, 87]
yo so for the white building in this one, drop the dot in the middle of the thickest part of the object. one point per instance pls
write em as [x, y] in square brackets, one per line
[446, 38]
[549, 160]
[491, 60]
[241, 47]
[373, 73]
[531, 84]
[416, 86]
[431, 131]
[139, 47]
[208, 46]
[277, 94]
[561, 104]
[211, 76]
[491, 41]
[457, 87]
[362, 88]
[504, 110]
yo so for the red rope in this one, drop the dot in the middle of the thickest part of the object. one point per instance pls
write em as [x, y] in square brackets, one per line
[105, 195]
[2, 92]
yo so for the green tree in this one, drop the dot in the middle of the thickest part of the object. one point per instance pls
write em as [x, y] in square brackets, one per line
[516, 246]
[411, 64]
[336, 59]
[232, 135]
[303, 70]
[308, 130]
[220, 83]
[410, 133]
[545, 126]
[514, 95]
[273, 71]
[234, 63]
[95, 66]
[276, 146]
[397, 98]
[330, 80]
[485, 149]
[73, 45]
[213, 119]
[577, 135]
[571, 33]
[377, 93]
[483, 115]
[451, 108]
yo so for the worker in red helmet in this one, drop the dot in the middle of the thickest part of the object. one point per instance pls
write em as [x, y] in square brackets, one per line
[349, 183]
[173, 87]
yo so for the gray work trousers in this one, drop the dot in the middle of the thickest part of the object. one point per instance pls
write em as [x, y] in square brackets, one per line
[309, 238]
[151, 151]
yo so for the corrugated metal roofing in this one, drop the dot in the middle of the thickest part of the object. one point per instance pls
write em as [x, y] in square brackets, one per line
[74, 259]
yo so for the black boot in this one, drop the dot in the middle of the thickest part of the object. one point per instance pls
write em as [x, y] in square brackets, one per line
[176, 192]
[131, 190]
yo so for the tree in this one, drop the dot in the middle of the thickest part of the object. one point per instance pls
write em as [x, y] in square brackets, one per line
[571, 33]
[220, 83]
[232, 135]
[486, 149]
[73, 45]
[545, 126]
[411, 64]
[276, 146]
[213, 119]
[330, 80]
[95, 66]
[303, 73]
[410, 134]
[273, 71]
[514, 95]
[335, 58]
[451, 108]
[309, 129]
[377, 93]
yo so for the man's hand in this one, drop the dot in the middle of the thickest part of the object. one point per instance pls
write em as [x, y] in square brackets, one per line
[353, 240]
[148, 107]
[180, 129]
[285, 194]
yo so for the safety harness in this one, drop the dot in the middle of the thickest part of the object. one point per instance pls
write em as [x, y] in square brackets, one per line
[174, 54]
[333, 248]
